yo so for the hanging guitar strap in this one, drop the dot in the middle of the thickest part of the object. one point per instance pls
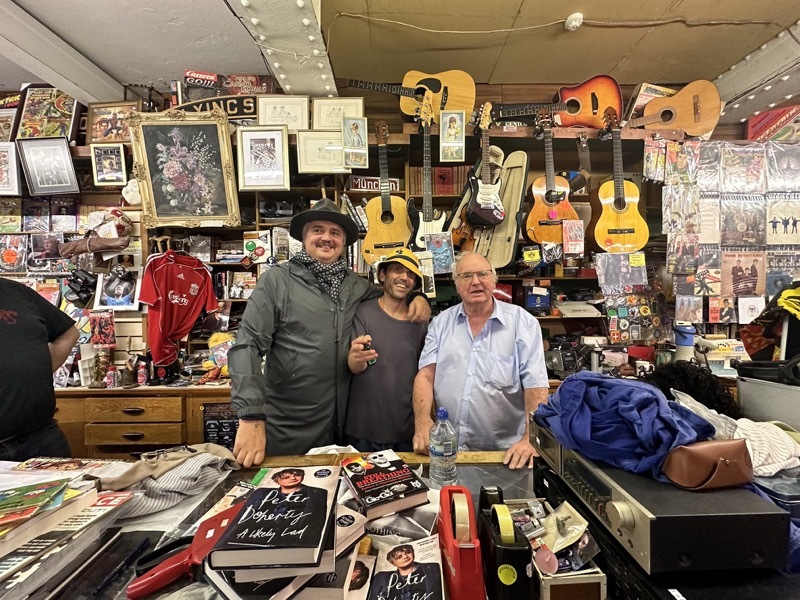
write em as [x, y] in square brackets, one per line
[584, 176]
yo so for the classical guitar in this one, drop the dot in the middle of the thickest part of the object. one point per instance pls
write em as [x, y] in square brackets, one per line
[695, 109]
[389, 225]
[428, 221]
[620, 226]
[450, 90]
[485, 207]
[580, 105]
[550, 197]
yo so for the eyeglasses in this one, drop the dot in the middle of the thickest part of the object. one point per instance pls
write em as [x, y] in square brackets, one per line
[482, 275]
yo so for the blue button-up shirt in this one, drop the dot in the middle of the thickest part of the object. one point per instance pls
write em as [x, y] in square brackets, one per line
[481, 380]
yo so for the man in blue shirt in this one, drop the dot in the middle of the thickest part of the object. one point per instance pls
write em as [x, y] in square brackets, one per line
[483, 361]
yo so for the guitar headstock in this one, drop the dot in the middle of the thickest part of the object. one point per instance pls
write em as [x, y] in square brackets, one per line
[544, 120]
[382, 132]
[611, 118]
[484, 117]
[425, 110]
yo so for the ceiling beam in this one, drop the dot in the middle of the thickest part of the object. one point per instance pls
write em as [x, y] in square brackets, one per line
[35, 48]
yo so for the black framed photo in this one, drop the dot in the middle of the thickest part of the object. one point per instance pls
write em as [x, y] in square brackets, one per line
[47, 165]
[108, 165]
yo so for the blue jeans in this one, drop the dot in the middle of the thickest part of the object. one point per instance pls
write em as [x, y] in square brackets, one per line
[48, 441]
[367, 446]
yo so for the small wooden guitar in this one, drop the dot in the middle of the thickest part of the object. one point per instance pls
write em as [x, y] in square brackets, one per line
[464, 234]
[389, 225]
[485, 207]
[620, 226]
[695, 109]
[450, 90]
[429, 221]
[550, 197]
[582, 105]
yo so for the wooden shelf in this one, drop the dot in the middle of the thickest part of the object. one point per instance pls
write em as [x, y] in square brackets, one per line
[563, 132]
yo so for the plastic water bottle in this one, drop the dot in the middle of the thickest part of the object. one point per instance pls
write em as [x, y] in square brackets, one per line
[443, 450]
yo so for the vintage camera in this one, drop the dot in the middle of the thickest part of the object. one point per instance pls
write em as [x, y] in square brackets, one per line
[271, 209]
[562, 358]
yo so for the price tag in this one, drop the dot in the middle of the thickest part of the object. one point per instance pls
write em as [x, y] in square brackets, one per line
[636, 259]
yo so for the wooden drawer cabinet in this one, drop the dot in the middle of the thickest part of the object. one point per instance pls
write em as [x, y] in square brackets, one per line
[134, 409]
[135, 434]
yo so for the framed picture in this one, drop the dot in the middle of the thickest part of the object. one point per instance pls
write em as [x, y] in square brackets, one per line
[355, 146]
[451, 136]
[118, 290]
[291, 111]
[108, 165]
[47, 165]
[263, 157]
[320, 152]
[9, 170]
[184, 166]
[45, 111]
[108, 121]
[328, 112]
[7, 116]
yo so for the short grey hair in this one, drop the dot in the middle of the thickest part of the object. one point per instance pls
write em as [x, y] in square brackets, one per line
[463, 255]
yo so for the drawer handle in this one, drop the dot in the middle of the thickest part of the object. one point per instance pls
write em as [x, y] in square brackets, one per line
[133, 436]
[133, 411]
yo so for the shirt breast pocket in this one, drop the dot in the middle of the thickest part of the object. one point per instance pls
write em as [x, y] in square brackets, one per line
[499, 370]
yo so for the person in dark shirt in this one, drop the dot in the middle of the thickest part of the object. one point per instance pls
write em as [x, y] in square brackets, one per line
[36, 339]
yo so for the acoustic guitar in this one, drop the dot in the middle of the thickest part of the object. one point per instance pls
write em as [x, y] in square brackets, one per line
[485, 207]
[580, 105]
[450, 90]
[429, 221]
[550, 197]
[389, 225]
[695, 109]
[620, 226]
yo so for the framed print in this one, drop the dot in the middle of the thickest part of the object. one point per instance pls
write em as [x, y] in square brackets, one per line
[45, 111]
[47, 165]
[320, 152]
[451, 136]
[291, 111]
[354, 142]
[263, 157]
[9, 170]
[108, 165]
[328, 112]
[7, 116]
[108, 121]
[118, 290]
[184, 166]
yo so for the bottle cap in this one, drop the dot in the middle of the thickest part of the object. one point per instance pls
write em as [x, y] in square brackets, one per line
[441, 413]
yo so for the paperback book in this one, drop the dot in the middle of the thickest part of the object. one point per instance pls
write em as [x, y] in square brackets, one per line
[282, 522]
[21, 503]
[383, 484]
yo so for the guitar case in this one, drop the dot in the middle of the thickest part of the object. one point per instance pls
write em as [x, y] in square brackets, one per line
[499, 244]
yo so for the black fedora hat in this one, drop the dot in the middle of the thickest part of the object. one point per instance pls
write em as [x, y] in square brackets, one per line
[324, 210]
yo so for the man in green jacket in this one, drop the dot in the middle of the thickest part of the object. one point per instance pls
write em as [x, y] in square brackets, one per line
[300, 318]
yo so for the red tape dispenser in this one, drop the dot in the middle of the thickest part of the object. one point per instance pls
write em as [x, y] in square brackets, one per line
[458, 539]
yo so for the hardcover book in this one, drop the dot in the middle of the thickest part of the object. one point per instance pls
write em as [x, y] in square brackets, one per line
[412, 570]
[383, 484]
[283, 521]
[333, 585]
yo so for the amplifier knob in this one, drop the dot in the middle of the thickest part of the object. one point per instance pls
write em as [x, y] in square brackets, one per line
[620, 515]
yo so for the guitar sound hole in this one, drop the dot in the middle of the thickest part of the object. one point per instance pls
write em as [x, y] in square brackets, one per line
[573, 106]
[620, 204]
[667, 115]
[387, 218]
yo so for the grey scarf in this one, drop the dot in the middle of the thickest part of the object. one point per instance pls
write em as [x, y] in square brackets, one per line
[329, 275]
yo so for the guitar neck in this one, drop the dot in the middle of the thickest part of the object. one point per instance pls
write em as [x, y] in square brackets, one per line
[386, 88]
[643, 121]
[486, 167]
[619, 182]
[427, 197]
[383, 161]
[507, 112]
[549, 168]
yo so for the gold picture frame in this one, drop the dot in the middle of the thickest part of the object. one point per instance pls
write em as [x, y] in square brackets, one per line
[184, 166]
[107, 122]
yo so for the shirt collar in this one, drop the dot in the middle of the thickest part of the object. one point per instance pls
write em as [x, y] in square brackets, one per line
[497, 313]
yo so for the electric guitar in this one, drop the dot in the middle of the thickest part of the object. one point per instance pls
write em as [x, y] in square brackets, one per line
[550, 197]
[389, 225]
[620, 226]
[428, 221]
[695, 109]
[485, 207]
[581, 105]
[450, 90]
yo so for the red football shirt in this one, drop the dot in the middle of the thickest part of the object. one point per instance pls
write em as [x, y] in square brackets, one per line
[177, 288]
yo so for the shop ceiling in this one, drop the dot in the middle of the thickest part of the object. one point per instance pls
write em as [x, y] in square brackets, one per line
[91, 47]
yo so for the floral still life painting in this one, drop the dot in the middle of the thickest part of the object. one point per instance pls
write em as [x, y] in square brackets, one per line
[184, 168]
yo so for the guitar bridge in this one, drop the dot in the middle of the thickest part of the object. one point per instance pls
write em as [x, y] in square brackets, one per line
[621, 231]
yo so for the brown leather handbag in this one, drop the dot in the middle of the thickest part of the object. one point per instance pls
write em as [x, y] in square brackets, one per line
[709, 465]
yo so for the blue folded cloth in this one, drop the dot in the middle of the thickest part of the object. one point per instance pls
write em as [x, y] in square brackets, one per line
[624, 422]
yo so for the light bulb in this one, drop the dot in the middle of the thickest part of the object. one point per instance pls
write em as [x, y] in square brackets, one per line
[311, 38]
[324, 77]
[300, 3]
[306, 22]
[287, 87]
[282, 75]
[277, 65]
[245, 3]
[255, 21]
[315, 52]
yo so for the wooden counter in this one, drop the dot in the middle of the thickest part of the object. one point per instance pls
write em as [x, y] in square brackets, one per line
[411, 458]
